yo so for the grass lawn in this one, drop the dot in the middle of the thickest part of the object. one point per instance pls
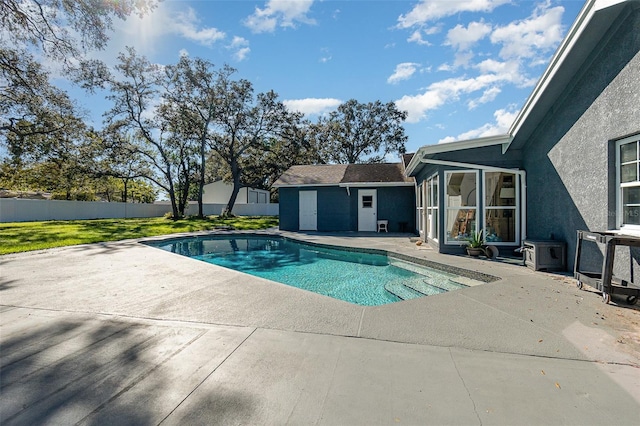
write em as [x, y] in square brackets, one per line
[25, 236]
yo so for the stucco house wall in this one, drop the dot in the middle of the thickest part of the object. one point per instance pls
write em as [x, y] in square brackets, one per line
[565, 137]
[570, 158]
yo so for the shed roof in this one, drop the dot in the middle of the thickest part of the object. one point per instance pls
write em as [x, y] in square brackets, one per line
[343, 174]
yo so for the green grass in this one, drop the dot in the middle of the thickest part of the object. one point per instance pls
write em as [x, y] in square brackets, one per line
[18, 237]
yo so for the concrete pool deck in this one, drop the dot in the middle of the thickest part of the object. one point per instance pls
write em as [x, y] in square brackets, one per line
[124, 333]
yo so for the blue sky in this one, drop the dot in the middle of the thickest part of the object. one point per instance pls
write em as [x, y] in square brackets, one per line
[462, 69]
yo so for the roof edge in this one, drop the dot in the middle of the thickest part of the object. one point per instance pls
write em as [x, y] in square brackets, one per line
[357, 184]
[579, 26]
[503, 139]
[304, 185]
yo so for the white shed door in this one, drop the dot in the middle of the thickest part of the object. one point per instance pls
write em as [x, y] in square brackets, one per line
[367, 210]
[308, 210]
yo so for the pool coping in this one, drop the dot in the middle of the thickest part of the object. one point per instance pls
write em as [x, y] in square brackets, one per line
[454, 270]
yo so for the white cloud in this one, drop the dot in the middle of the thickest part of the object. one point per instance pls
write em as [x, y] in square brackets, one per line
[503, 120]
[416, 37]
[528, 38]
[441, 92]
[241, 54]
[283, 13]
[241, 48]
[462, 59]
[432, 30]
[163, 20]
[403, 71]
[183, 52]
[512, 70]
[326, 55]
[186, 25]
[447, 139]
[428, 10]
[487, 96]
[312, 106]
[463, 38]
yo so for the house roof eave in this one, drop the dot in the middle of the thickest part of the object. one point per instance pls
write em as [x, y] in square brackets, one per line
[592, 23]
[428, 150]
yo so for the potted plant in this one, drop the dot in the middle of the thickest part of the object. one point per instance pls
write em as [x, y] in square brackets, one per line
[475, 244]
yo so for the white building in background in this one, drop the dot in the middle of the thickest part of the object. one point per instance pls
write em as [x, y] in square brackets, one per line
[219, 192]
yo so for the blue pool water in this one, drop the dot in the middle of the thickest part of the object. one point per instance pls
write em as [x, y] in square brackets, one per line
[360, 278]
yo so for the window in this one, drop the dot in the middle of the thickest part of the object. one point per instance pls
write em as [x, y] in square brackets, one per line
[461, 205]
[500, 208]
[428, 208]
[432, 208]
[628, 182]
[420, 208]
[367, 201]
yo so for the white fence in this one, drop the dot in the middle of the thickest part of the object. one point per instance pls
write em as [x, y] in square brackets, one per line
[23, 210]
[253, 209]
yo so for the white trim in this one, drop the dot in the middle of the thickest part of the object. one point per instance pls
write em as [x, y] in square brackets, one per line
[434, 195]
[479, 221]
[306, 185]
[313, 213]
[471, 165]
[379, 184]
[455, 146]
[522, 185]
[347, 185]
[515, 209]
[420, 209]
[634, 229]
[568, 44]
[370, 214]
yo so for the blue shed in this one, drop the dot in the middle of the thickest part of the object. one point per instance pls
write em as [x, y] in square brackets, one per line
[346, 197]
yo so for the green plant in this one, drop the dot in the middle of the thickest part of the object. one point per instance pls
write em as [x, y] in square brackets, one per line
[476, 240]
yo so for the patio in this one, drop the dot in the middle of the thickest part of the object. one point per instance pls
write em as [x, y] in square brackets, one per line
[121, 332]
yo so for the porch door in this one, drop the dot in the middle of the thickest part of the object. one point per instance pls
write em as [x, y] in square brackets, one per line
[367, 210]
[308, 208]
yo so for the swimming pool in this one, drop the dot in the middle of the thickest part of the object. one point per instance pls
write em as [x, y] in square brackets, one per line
[356, 277]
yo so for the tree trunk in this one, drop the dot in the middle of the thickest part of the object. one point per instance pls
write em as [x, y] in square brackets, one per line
[125, 183]
[183, 199]
[235, 172]
[201, 182]
[172, 197]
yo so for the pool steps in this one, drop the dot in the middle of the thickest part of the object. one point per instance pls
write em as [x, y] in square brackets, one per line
[425, 288]
[428, 287]
[401, 291]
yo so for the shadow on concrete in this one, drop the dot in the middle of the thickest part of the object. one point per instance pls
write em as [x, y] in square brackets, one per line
[6, 284]
[95, 372]
[95, 249]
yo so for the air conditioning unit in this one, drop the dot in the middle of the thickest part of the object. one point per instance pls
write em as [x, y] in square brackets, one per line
[548, 255]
